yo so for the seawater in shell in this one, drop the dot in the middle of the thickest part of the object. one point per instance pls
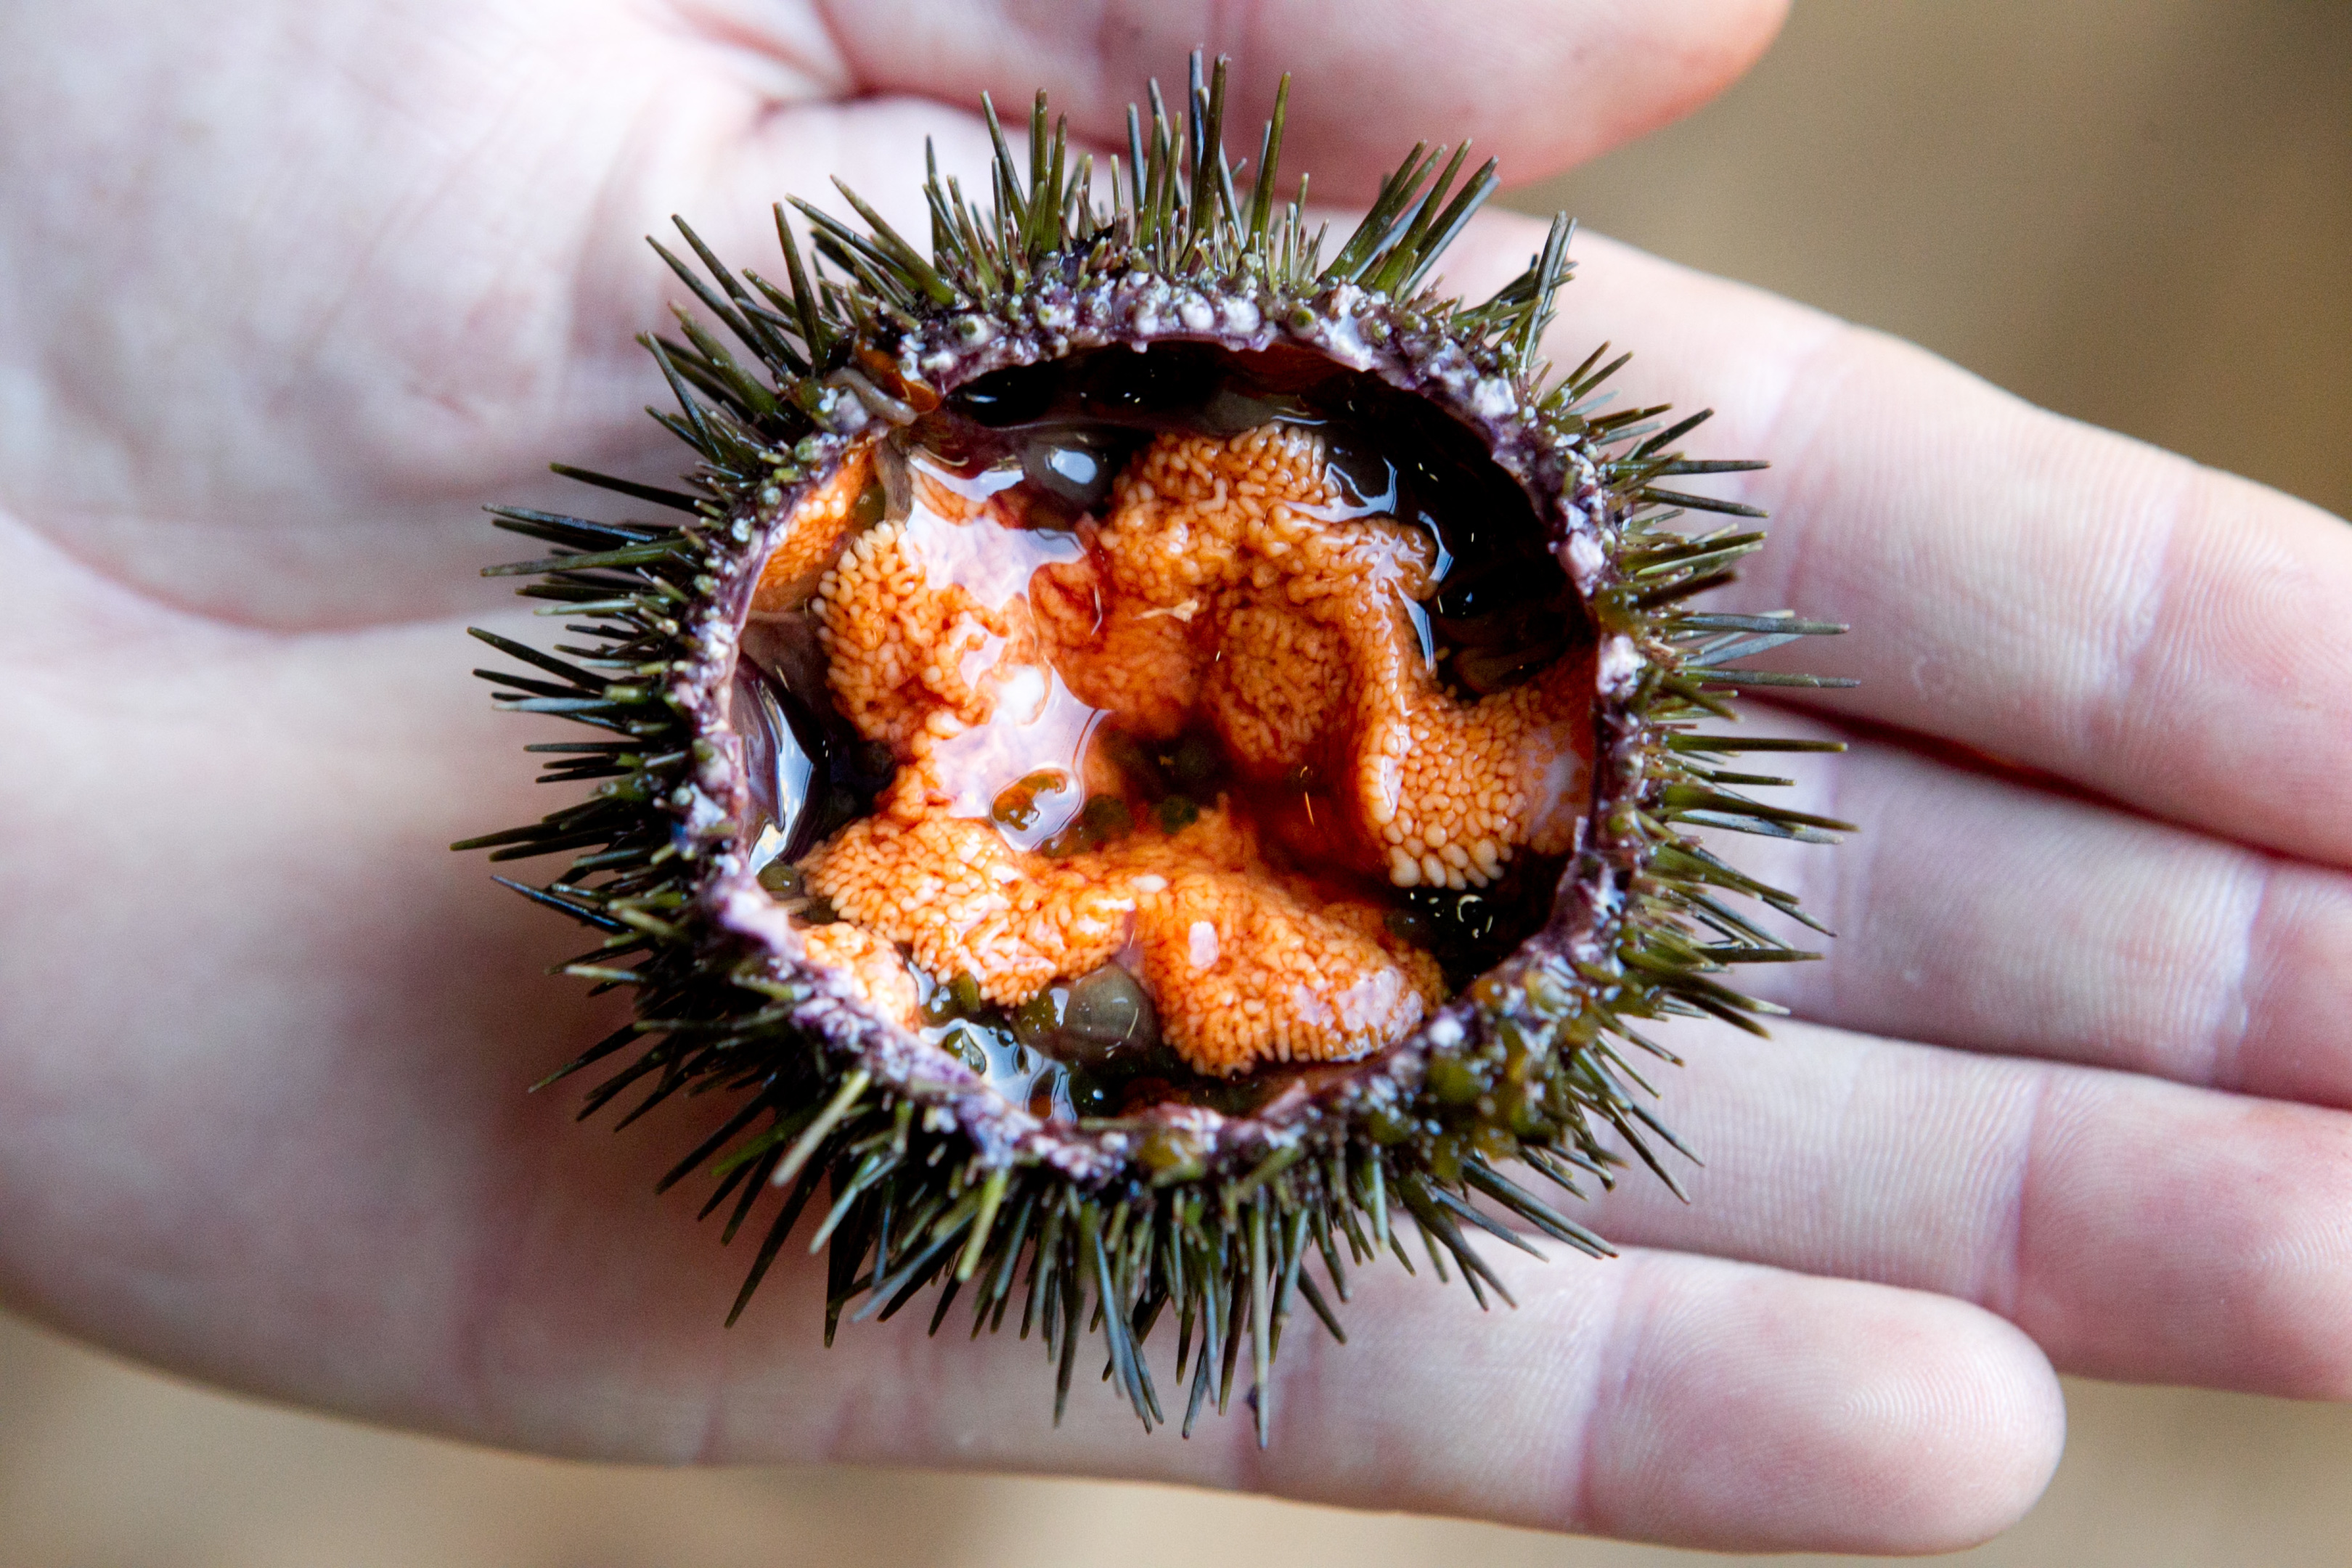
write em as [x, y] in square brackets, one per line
[1058, 633]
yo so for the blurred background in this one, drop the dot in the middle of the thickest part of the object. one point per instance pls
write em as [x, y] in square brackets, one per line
[2139, 214]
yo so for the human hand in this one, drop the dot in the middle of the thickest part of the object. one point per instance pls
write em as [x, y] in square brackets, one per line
[351, 273]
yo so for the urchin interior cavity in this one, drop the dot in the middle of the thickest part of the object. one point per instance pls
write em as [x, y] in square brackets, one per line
[1159, 718]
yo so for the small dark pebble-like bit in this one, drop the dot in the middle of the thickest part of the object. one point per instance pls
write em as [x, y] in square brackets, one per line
[1100, 1016]
[1103, 819]
[965, 989]
[1196, 763]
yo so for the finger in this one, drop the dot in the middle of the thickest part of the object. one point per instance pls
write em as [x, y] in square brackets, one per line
[2136, 1228]
[1576, 78]
[1657, 1396]
[1977, 910]
[2158, 632]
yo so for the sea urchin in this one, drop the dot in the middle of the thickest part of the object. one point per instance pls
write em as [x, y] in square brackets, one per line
[1153, 753]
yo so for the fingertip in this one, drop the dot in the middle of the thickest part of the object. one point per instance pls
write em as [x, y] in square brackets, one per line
[1956, 1435]
[1771, 1413]
[1667, 60]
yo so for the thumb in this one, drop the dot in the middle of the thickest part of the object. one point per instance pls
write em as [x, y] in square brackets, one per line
[1540, 84]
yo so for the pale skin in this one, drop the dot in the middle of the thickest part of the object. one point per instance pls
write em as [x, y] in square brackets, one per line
[286, 291]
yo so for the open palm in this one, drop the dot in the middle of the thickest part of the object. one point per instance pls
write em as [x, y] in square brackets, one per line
[288, 289]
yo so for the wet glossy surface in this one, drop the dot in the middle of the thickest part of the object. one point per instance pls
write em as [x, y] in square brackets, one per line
[1040, 448]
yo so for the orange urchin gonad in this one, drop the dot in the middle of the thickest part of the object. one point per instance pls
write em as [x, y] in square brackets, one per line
[1155, 758]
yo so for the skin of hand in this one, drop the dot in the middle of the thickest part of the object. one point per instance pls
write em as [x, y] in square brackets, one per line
[287, 290]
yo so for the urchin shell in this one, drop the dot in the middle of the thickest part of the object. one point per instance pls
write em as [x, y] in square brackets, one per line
[932, 1178]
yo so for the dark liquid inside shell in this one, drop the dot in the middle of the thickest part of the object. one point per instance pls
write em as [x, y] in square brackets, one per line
[1044, 448]
[1073, 425]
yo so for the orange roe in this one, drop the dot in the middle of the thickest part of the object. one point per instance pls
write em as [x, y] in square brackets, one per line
[815, 531]
[871, 965]
[1226, 586]
[1321, 667]
[1245, 964]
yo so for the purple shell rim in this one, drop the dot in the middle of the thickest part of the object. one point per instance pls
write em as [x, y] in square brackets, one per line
[1356, 330]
